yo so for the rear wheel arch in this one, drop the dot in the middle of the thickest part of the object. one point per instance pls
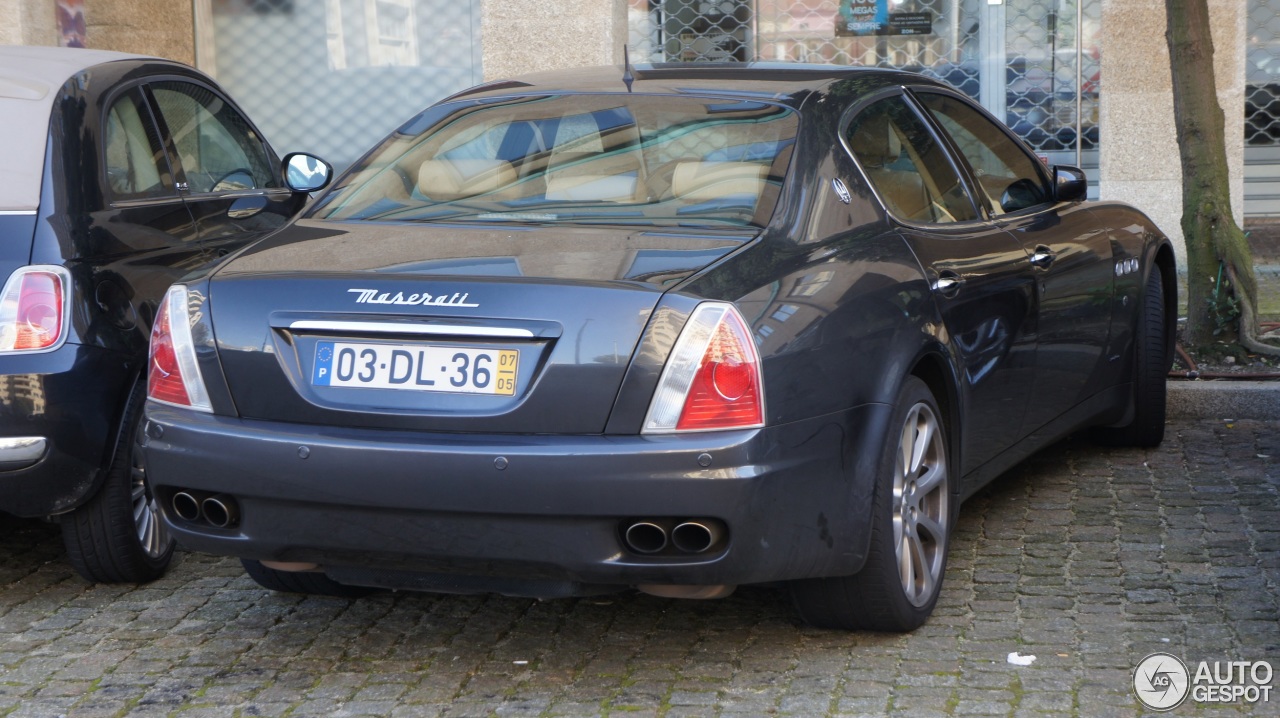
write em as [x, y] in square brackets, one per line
[932, 368]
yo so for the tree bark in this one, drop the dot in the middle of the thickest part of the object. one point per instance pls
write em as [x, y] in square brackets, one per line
[1219, 261]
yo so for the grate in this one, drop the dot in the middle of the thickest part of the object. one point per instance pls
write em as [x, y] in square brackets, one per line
[333, 77]
[1034, 41]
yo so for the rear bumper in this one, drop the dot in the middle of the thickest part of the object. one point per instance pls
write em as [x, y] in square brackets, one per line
[395, 508]
[69, 398]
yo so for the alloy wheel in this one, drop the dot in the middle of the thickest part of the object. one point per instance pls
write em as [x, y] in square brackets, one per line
[153, 537]
[921, 494]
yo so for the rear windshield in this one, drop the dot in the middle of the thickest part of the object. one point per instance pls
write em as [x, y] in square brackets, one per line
[577, 159]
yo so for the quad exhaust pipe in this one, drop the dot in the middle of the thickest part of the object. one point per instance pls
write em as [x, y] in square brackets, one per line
[687, 536]
[217, 510]
[220, 510]
[186, 506]
[695, 536]
[646, 537]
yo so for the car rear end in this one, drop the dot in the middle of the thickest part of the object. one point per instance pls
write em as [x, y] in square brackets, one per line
[466, 371]
[52, 439]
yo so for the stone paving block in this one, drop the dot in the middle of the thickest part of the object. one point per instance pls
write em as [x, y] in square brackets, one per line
[1088, 558]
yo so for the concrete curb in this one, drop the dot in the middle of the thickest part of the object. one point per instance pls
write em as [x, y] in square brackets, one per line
[1224, 399]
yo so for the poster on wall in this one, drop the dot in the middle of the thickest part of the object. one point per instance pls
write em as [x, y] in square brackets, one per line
[873, 17]
[71, 27]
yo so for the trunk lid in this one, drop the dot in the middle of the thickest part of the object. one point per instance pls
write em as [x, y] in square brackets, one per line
[436, 328]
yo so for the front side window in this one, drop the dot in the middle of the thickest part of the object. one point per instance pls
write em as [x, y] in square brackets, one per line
[1011, 178]
[219, 150]
[584, 159]
[908, 168]
[136, 167]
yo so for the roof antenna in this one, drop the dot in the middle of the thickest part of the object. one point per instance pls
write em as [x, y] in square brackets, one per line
[627, 76]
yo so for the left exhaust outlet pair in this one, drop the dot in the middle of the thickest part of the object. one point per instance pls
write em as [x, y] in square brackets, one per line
[217, 510]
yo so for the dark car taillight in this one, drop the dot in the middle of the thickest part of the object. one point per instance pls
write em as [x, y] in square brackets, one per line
[33, 309]
[173, 375]
[712, 379]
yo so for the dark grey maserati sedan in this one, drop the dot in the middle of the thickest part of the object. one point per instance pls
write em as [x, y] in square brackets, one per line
[676, 328]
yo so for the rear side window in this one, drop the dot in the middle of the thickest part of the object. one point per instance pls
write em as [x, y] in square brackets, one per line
[218, 149]
[907, 167]
[135, 163]
[1011, 178]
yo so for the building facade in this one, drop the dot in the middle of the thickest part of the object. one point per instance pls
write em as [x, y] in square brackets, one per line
[1085, 82]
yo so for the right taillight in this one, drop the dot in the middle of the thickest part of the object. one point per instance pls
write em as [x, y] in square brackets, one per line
[712, 380]
[33, 309]
[173, 374]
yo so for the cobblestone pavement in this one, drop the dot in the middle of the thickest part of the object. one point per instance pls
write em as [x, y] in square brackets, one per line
[1087, 558]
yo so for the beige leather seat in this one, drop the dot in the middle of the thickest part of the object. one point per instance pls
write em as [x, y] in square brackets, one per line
[700, 181]
[455, 179]
[876, 145]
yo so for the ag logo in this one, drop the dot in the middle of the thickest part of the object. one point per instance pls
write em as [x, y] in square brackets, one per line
[1161, 681]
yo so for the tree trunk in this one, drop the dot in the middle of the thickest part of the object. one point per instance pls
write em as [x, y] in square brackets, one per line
[1216, 247]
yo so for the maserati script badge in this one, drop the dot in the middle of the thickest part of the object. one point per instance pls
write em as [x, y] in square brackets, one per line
[371, 296]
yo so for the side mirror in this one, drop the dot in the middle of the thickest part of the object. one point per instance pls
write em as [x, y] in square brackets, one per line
[1069, 184]
[305, 173]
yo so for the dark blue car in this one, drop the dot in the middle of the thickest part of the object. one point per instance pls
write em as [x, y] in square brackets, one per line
[676, 329]
[120, 174]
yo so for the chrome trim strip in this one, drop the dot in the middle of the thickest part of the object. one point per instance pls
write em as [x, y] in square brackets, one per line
[407, 328]
[17, 212]
[26, 449]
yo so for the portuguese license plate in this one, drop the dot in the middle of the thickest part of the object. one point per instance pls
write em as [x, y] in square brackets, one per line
[416, 367]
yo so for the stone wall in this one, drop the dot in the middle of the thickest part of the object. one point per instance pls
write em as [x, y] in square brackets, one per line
[522, 36]
[1139, 160]
[148, 27]
[27, 22]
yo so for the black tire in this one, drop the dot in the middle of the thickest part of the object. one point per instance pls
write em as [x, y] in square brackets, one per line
[1150, 373]
[879, 597]
[117, 536]
[311, 582]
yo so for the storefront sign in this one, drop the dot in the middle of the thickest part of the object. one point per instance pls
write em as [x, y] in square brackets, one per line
[872, 17]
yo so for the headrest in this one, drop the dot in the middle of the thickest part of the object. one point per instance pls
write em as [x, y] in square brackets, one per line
[709, 180]
[874, 142]
[453, 179]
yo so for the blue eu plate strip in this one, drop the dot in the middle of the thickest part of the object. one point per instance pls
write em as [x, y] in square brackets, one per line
[322, 371]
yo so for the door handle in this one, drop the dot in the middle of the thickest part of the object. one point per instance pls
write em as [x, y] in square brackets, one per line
[1043, 257]
[947, 283]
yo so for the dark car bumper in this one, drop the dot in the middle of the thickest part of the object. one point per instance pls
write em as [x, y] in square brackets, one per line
[436, 511]
[68, 398]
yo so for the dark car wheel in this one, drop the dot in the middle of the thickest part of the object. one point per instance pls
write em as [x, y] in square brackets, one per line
[912, 515]
[311, 582]
[117, 536]
[1151, 370]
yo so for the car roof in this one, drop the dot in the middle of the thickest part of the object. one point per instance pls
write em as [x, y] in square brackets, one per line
[786, 82]
[30, 78]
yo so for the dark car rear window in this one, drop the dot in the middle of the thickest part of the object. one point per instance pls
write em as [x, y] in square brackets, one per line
[578, 159]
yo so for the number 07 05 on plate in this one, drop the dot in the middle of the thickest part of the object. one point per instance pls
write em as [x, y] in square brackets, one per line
[416, 367]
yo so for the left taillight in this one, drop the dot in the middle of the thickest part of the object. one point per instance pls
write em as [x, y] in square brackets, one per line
[173, 374]
[712, 380]
[33, 309]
